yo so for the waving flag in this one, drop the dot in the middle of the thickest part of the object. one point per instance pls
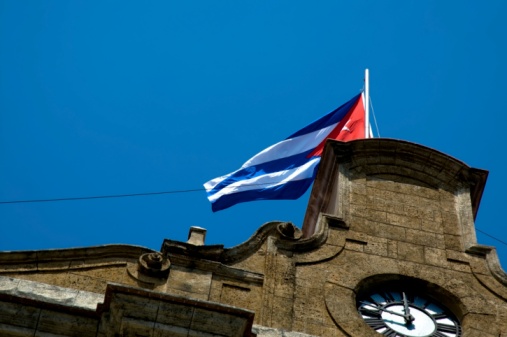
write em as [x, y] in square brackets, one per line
[286, 169]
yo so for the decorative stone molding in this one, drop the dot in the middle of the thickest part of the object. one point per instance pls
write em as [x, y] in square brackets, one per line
[154, 265]
[288, 231]
[69, 259]
[487, 269]
[152, 269]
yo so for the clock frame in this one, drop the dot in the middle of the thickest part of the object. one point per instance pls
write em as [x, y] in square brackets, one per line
[405, 311]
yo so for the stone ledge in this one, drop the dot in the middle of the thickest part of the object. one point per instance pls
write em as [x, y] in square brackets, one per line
[70, 258]
[263, 331]
[43, 292]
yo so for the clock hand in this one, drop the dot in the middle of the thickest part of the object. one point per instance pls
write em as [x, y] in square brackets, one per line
[388, 311]
[408, 317]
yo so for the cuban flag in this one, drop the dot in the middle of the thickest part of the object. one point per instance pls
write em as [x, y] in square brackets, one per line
[286, 169]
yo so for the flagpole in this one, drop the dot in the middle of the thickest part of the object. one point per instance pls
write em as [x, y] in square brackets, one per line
[366, 103]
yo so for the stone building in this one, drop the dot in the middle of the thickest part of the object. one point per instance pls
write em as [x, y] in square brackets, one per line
[387, 247]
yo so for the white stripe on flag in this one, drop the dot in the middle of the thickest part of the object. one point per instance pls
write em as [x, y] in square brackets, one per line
[283, 149]
[268, 180]
[290, 147]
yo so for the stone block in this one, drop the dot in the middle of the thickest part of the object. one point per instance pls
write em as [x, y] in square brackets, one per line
[377, 246]
[191, 281]
[282, 313]
[485, 324]
[135, 327]
[140, 308]
[403, 221]
[377, 203]
[368, 213]
[263, 331]
[459, 266]
[388, 196]
[433, 226]
[440, 241]
[241, 297]
[9, 330]
[46, 292]
[392, 249]
[453, 242]
[435, 256]
[447, 202]
[363, 225]
[305, 274]
[413, 211]
[354, 245]
[359, 199]
[410, 252]
[299, 323]
[479, 265]
[53, 265]
[451, 223]
[255, 263]
[19, 315]
[184, 293]
[314, 328]
[391, 232]
[59, 323]
[13, 269]
[422, 238]
[161, 330]
[80, 281]
[328, 331]
[211, 322]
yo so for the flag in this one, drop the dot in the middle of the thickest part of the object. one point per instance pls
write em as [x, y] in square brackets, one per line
[286, 169]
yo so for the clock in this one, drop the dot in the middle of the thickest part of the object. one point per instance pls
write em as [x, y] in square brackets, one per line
[406, 313]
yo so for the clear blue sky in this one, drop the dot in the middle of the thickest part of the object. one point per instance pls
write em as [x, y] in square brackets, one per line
[118, 97]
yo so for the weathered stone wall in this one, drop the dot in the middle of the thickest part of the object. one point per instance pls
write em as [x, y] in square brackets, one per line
[89, 279]
[408, 215]
[380, 211]
[418, 223]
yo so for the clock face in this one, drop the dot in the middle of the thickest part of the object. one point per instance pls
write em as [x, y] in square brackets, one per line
[397, 313]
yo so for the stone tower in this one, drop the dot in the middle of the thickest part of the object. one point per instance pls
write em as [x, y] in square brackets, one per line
[387, 248]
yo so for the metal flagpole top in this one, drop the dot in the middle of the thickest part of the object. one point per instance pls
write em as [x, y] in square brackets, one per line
[366, 103]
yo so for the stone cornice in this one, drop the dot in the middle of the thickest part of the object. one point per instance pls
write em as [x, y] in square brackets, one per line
[389, 157]
[287, 237]
[71, 258]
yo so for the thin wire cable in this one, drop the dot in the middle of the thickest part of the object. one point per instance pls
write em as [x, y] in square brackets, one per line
[100, 196]
[109, 196]
[378, 134]
[153, 193]
[374, 117]
[491, 236]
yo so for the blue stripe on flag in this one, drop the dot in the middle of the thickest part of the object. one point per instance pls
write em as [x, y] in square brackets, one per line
[331, 118]
[288, 191]
[281, 164]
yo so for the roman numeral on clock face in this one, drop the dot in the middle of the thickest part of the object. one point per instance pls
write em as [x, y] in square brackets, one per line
[439, 316]
[375, 323]
[390, 333]
[381, 327]
[369, 312]
[446, 328]
[439, 334]
[387, 296]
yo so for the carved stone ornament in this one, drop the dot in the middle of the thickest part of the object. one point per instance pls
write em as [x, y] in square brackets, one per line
[288, 231]
[154, 265]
